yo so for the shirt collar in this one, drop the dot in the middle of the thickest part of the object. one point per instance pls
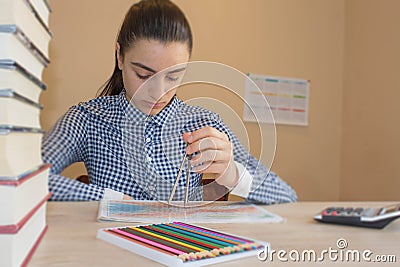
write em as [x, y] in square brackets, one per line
[132, 114]
[168, 111]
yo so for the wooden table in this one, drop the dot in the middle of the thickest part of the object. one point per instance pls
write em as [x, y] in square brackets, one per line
[71, 237]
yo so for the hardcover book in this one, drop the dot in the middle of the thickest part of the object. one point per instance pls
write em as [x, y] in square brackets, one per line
[16, 78]
[18, 110]
[17, 248]
[42, 9]
[20, 12]
[19, 195]
[16, 47]
[20, 150]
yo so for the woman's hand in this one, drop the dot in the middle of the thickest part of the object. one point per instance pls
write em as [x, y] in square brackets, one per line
[214, 155]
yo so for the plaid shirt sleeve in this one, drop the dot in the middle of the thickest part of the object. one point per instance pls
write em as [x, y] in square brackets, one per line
[63, 145]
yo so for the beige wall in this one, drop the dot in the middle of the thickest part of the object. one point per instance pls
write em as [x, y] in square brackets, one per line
[371, 110]
[290, 38]
[302, 39]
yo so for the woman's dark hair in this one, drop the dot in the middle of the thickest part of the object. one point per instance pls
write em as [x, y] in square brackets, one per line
[159, 20]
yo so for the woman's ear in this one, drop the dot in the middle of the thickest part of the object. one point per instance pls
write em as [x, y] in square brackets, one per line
[119, 57]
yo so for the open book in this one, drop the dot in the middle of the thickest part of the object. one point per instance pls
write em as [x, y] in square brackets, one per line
[159, 212]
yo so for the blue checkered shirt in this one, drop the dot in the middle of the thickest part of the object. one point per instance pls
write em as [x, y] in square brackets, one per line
[127, 151]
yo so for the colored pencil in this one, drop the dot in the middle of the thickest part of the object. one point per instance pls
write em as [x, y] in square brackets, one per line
[189, 238]
[193, 241]
[150, 242]
[159, 240]
[214, 232]
[111, 231]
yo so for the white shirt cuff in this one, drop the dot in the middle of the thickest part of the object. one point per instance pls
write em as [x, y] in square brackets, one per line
[242, 189]
[112, 194]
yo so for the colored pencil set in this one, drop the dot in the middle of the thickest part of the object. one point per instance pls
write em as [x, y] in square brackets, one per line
[180, 243]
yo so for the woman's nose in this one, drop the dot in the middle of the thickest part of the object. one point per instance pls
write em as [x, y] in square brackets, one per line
[157, 87]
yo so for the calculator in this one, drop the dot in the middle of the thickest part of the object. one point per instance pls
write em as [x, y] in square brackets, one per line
[360, 216]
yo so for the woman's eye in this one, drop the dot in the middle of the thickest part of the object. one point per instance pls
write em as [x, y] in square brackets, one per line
[172, 78]
[142, 77]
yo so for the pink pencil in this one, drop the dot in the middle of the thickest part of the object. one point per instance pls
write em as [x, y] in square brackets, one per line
[178, 252]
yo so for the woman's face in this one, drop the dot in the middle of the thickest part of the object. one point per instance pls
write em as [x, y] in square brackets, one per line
[148, 85]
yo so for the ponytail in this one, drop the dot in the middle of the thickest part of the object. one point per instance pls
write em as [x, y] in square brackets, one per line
[114, 85]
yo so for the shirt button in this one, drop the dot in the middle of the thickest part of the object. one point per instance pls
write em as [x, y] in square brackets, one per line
[151, 188]
[148, 158]
[148, 140]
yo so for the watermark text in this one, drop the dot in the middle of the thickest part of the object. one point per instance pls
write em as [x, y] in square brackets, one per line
[338, 254]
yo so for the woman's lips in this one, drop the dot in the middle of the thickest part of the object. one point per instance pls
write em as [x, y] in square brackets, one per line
[154, 105]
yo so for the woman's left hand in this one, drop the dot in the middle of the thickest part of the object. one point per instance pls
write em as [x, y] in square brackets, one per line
[214, 155]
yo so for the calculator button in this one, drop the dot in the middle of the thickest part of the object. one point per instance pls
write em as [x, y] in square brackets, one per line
[358, 211]
[349, 210]
[330, 209]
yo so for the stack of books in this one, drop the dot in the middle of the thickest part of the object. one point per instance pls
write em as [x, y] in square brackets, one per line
[24, 42]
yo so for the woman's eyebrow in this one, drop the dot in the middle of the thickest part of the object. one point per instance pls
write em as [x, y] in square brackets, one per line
[177, 70]
[140, 65]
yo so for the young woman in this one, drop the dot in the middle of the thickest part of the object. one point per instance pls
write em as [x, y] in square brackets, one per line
[132, 137]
